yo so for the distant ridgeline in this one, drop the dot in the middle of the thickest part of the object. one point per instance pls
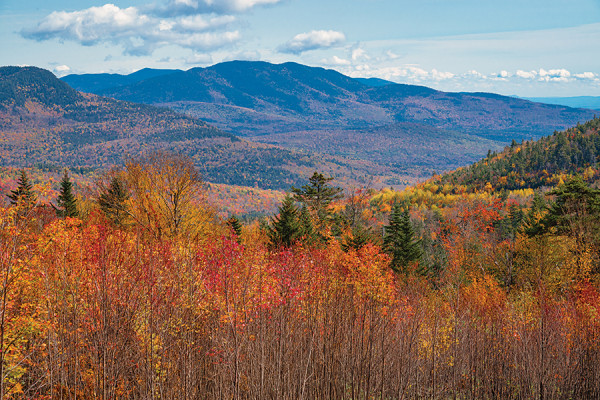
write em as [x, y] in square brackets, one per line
[534, 164]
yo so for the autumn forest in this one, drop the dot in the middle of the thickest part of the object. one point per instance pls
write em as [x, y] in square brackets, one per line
[482, 283]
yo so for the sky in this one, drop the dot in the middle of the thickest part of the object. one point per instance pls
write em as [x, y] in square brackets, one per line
[535, 48]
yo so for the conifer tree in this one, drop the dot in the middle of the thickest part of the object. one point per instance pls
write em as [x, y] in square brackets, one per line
[318, 196]
[307, 230]
[285, 229]
[23, 195]
[66, 203]
[399, 240]
[112, 201]
[234, 223]
[358, 239]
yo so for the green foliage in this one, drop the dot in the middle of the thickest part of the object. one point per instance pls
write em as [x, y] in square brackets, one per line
[23, 195]
[358, 238]
[285, 229]
[66, 205]
[234, 223]
[318, 196]
[399, 239]
[112, 201]
[535, 164]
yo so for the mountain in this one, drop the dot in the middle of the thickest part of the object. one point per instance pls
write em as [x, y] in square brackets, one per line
[92, 83]
[259, 98]
[44, 122]
[534, 164]
[591, 102]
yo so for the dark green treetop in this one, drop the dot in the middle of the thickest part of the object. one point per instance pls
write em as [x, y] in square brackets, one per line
[112, 201]
[66, 203]
[234, 223]
[23, 195]
[285, 229]
[399, 239]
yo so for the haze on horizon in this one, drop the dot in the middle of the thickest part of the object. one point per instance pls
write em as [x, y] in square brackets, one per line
[534, 48]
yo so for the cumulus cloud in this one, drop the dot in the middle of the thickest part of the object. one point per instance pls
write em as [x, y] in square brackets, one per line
[137, 32]
[359, 54]
[313, 40]
[405, 73]
[335, 60]
[526, 74]
[586, 75]
[62, 70]
[191, 7]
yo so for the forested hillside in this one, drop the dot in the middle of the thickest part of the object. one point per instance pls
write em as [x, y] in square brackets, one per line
[533, 164]
[137, 289]
[46, 123]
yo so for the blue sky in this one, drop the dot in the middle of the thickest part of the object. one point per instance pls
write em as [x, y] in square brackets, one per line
[526, 47]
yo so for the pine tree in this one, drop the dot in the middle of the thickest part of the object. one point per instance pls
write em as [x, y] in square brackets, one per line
[285, 229]
[307, 230]
[23, 195]
[234, 223]
[399, 240]
[66, 203]
[112, 201]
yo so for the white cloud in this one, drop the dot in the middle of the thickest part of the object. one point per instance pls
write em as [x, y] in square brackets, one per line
[359, 54]
[526, 75]
[391, 55]
[335, 60]
[199, 58]
[586, 75]
[62, 70]
[313, 40]
[138, 33]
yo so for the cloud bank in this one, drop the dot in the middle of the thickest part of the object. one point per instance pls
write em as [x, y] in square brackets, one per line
[141, 32]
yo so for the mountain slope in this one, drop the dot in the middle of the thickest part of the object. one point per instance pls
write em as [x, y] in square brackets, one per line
[534, 164]
[43, 121]
[307, 98]
[92, 83]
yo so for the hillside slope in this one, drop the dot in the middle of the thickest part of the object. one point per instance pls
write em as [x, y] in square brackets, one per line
[300, 98]
[45, 122]
[533, 164]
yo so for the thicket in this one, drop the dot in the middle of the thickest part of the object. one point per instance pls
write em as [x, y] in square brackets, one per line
[147, 294]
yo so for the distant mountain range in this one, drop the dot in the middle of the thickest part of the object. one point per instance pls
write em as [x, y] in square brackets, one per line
[293, 120]
[46, 123]
[251, 98]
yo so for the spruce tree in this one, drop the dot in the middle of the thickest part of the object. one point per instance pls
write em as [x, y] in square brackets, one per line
[318, 196]
[285, 229]
[23, 195]
[112, 201]
[66, 203]
[399, 240]
[307, 230]
[234, 223]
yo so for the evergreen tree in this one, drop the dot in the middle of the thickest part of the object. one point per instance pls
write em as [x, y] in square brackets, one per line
[112, 201]
[23, 195]
[66, 203]
[399, 240]
[318, 196]
[307, 230]
[234, 223]
[285, 229]
[357, 240]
